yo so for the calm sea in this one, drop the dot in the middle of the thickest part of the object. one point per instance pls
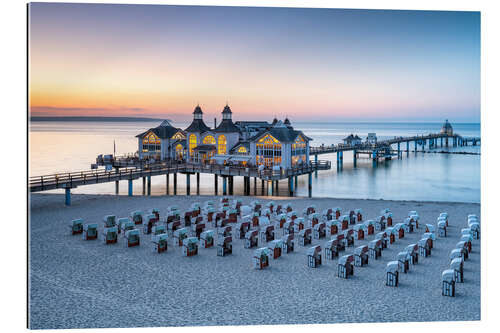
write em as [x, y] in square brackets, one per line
[73, 146]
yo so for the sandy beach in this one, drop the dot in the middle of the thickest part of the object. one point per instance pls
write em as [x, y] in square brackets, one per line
[84, 284]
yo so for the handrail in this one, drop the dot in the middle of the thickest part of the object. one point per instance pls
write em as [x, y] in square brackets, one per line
[95, 175]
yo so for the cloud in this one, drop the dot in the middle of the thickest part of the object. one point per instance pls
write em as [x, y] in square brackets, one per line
[121, 111]
[53, 110]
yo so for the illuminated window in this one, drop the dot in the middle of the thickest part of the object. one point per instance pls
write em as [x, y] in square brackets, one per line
[298, 150]
[222, 144]
[193, 142]
[242, 150]
[178, 136]
[209, 140]
[151, 142]
[179, 150]
[268, 151]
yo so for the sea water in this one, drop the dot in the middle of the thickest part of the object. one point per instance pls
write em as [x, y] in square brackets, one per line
[68, 146]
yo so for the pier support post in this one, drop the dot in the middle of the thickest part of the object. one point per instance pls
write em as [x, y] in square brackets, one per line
[407, 148]
[231, 183]
[117, 187]
[416, 146]
[374, 158]
[316, 162]
[188, 184]
[354, 158]
[143, 185]
[175, 183]
[197, 183]
[216, 185]
[338, 160]
[446, 141]
[341, 160]
[441, 141]
[167, 183]
[130, 188]
[67, 200]
[149, 185]
[399, 150]
[309, 189]
[290, 186]
[224, 185]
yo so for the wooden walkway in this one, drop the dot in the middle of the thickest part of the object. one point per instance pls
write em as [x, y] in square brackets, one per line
[384, 144]
[75, 179]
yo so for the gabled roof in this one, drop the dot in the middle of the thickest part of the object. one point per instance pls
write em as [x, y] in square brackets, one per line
[281, 133]
[245, 144]
[163, 131]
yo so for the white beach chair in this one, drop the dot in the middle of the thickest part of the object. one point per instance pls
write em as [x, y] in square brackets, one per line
[314, 256]
[190, 246]
[448, 278]
[160, 243]
[261, 258]
[110, 235]
[76, 226]
[361, 256]
[90, 231]
[392, 274]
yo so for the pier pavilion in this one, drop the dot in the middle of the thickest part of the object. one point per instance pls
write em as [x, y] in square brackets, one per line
[253, 143]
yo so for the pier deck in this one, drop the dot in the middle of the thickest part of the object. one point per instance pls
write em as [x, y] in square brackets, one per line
[75, 179]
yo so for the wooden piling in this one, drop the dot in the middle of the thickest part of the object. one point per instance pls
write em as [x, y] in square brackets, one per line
[216, 185]
[197, 183]
[175, 183]
[167, 183]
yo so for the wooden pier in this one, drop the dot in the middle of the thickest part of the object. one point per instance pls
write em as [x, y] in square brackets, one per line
[130, 168]
[71, 180]
[383, 149]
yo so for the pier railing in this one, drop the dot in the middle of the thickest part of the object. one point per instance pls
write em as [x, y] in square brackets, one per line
[74, 179]
[385, 143]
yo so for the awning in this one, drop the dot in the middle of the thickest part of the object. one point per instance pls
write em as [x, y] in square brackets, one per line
[220, 158]
[240, 158]
[232, 158]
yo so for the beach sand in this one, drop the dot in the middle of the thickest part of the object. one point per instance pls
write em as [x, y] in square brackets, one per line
[82, 284]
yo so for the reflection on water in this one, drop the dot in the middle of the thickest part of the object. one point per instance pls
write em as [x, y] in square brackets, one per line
[73, 146]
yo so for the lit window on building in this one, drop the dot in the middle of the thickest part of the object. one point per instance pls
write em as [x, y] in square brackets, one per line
[209, 140]
[193, 142]
[268, 151]
[222, 145]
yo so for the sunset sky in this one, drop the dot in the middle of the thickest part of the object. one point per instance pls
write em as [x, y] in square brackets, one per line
[307, 64]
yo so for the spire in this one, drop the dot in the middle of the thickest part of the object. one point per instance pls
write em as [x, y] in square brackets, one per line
[198, 113]
[226, 113]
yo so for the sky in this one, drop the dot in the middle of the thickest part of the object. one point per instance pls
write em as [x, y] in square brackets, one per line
[308, 64]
